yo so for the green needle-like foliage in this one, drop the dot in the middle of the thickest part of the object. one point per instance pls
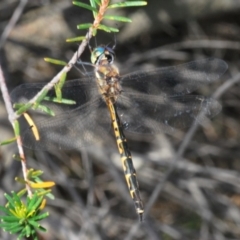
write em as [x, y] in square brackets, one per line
[23, 218]
[98, 9]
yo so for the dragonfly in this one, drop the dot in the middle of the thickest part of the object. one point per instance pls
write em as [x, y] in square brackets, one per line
[143, 102]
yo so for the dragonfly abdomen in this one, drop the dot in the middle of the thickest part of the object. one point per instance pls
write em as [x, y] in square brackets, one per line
[126, 159]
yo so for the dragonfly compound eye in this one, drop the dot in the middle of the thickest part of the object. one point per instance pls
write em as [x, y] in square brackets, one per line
[102, 55]
[97, 52]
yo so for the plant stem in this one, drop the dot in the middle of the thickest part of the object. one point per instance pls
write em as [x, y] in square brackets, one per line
[11, 118]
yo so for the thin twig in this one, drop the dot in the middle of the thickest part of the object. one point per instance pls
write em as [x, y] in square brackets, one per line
[189, 44]
[10, 111]
[224, 87]
[11, 24]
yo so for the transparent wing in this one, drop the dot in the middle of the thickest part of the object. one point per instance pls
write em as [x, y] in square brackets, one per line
[151, 102]
[79, 90]
[162, 113]
[75, 129]
[73, 126]
[176, 80]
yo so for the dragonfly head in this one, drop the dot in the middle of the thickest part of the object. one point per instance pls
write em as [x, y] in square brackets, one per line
[103, 55]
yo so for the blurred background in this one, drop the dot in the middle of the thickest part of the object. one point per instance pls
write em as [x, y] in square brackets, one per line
[190, 184]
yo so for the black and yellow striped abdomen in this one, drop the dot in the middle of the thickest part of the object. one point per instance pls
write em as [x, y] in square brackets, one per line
[126, 158]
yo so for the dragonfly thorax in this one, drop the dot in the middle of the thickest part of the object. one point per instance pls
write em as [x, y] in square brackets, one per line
[108, 81]
[107, 74]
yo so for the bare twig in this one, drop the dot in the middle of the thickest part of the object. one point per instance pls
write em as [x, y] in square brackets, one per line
[224, 87]
[11, 119]
[163, 51]
[11, 24]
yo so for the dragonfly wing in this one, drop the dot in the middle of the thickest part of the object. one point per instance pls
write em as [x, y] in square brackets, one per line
[164, 114]
[79, 90]
[73, 126]
[74, 129]
[176, 80]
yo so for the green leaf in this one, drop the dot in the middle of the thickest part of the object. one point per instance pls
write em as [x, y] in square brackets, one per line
[63, 100]
[24, 108]
[42, 229]
[84, 26]
[43, 192]
[5, 225]
[28, 230]
[46, 109]
[22, 234]
[5, 210]
[30, 172]
[93, 4]
[94, 32]
[107, 29]
[37, 203]
[59, 85]
[55, 61]
[17, 200]
[40, 98]
[36, 173]
[17, 229]
[32, 201]
[36, 237]
[9, 219]
[97, 1]
[22, 192]
[18, 105]
[118, 18]
[10, 200]
[58, 92]
[37, 179]
[13, 226]
[128, 4]
[40, 217]
[20, 180]
[6, 142]
[16, 128]
[22, 221]
[83, 5]
[48, 194]
[76, 39]
[34, 224]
